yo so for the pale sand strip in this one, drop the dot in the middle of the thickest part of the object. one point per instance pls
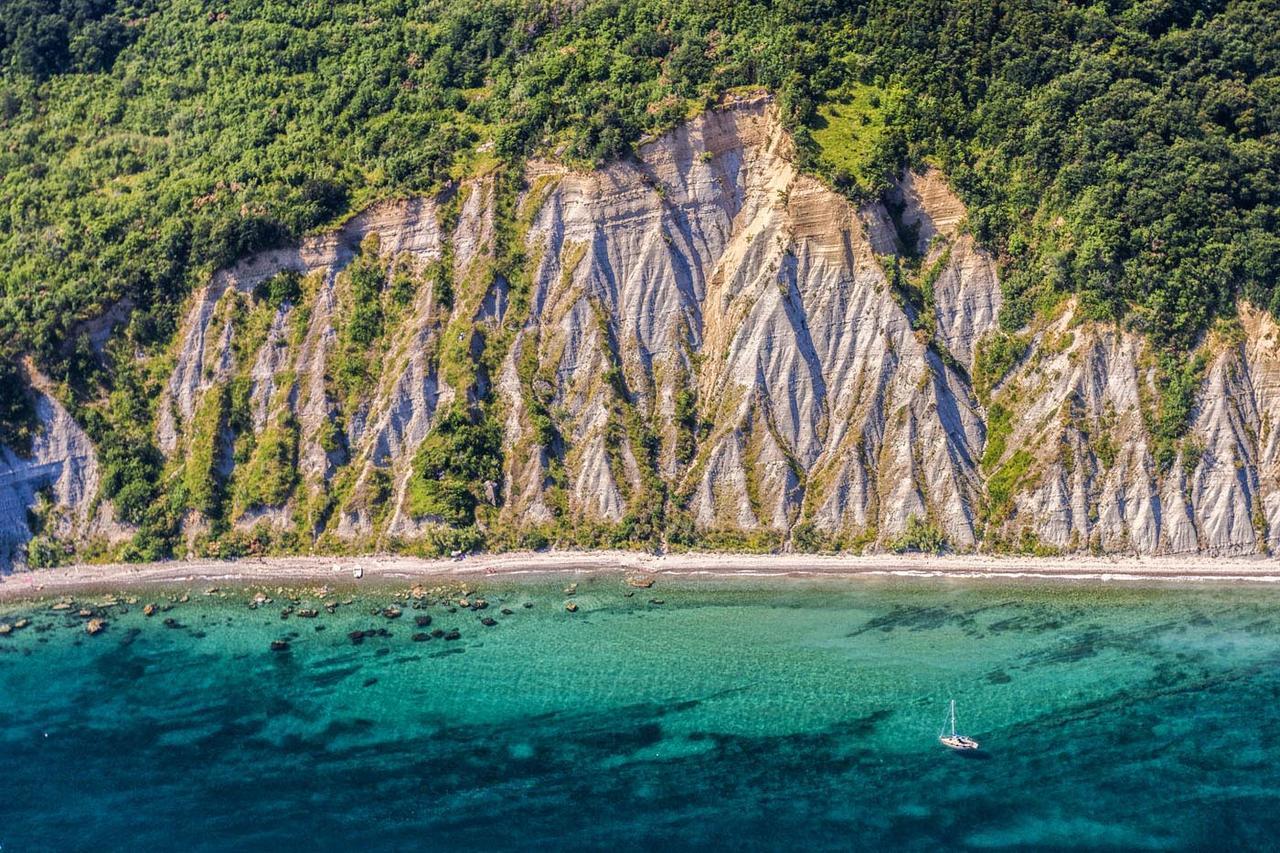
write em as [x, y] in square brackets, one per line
[302, 570]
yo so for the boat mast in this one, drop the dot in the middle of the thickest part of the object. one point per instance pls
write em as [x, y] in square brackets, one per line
[953, 718]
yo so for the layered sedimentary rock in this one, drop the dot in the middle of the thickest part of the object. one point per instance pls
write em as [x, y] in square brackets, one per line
[702, 327]
[51, 491]
[1078, 398]
[710, 264]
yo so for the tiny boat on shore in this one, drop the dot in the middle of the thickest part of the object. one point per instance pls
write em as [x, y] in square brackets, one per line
[953, 740]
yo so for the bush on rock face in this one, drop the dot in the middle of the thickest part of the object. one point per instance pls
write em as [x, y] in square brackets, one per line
[457, 458]
[921, 536]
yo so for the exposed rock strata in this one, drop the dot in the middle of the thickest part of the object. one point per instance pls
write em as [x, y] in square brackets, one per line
[709, 296]
[55, 486]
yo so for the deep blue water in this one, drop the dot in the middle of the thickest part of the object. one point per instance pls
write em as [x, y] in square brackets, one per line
[729, 716]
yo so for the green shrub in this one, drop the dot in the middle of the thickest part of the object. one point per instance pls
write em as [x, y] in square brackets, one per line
[686, 417]
[994, 356]
[999, 426]
[1178, 382]
[283, 288]
[808, 539]
[1003, 485]
[201, 477]
[919, 535]
[271, 474]
[462, 452]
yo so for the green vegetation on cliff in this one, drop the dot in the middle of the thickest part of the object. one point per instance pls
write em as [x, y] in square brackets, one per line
[1127, 151]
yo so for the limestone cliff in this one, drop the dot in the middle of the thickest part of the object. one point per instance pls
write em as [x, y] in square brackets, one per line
[701, 330]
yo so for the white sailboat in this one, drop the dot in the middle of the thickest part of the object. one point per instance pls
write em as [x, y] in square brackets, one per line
[953, 740]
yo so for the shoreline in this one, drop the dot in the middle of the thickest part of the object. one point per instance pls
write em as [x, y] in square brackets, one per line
[1197, 570]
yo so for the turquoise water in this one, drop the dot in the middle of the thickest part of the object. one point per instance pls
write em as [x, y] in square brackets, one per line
[729, 716]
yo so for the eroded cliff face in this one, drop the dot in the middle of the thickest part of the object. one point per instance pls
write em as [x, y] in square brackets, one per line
[701, 335]
[1088, 477]
[332, 424]
[710, 268]
[49, 497]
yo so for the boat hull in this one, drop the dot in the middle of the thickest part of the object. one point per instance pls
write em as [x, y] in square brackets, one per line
[958, 742]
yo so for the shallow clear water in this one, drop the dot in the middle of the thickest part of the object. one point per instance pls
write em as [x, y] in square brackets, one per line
[734, 716]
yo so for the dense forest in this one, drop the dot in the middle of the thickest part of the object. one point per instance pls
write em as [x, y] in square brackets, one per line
[1124, 150]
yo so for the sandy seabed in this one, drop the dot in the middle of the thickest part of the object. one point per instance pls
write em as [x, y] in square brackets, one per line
[394, 569]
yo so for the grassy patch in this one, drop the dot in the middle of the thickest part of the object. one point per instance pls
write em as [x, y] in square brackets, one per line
[1168, 416]
[1004, 484]
[849, 131]
[455, 460]
[200, 475]
[999, 426]
[995, 355]
[360, 293]
[763, 541]
[272, 472]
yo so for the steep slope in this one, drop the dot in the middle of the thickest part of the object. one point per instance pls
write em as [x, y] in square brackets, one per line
[259, 389]
[1078, 453]
[52, 492]
[704, 347]
[710, 265]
